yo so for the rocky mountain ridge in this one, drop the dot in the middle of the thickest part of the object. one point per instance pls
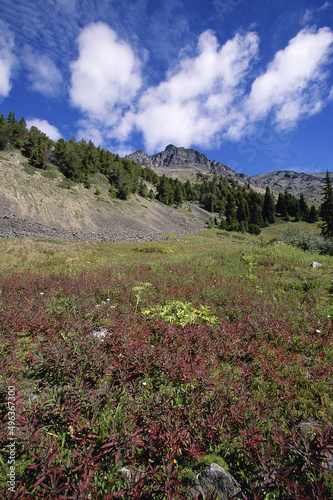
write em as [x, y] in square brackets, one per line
[178, 159]
[173, 157]
[311, 185]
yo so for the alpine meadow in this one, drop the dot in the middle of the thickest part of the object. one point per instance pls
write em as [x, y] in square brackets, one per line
[136, 369]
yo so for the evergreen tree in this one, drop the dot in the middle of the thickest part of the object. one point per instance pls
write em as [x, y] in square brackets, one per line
[268, 211]
[292, 203]
[37, 148]
[256, 215]
[210, 202]
[303, 207]
[143, 189]
[38, 156]
[313, 215]
[326, 208]
[231, 208]
[243, 213]
[280, 207]
[165, 191]
[124, 191]
[189, 191]
[4, 133]
[178, 194]
[231, 213]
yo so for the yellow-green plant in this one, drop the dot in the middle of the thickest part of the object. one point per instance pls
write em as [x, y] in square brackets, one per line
[181, 313]
[140, 288]
[251, 265]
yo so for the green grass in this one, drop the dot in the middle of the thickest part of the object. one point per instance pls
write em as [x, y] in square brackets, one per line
[66, 184]
[28, 168]
[51, 172]
[233, 355]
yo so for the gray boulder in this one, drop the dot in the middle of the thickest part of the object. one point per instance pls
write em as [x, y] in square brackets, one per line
[100, 333]
[217, 482]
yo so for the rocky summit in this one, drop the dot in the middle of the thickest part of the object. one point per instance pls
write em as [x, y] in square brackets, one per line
[178, 157]
[178, 160]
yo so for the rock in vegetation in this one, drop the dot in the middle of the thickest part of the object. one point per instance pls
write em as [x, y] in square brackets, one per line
[217, 482]
[100, 333]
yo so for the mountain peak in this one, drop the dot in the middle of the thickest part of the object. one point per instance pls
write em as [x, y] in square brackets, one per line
[177, 157]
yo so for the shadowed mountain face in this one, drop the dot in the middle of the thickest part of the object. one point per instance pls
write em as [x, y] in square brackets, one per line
[177, 159]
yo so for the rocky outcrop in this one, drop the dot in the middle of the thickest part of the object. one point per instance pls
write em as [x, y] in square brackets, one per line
[217, 483]
[175, 157]
[310, 184]
[294, 182]
[213, 482]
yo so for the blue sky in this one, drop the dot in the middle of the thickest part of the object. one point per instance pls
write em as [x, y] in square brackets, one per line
[247, 82]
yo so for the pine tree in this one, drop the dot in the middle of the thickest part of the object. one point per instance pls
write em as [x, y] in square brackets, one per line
[268, 211]
[165, 191]
[4, 133]
[243, 213]
[303, 207]
[313, 214]
[256, 215]
[143, 189]
[326, 208]
[178, 194]
[231, 213]
[281, 205]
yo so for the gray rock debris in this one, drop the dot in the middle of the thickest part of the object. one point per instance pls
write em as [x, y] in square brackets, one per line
[100, 333]
[217, 482]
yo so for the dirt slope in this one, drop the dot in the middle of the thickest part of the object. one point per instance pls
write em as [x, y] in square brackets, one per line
[33, 205]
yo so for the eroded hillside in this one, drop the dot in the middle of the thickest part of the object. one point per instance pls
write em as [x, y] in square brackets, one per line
[44, 204]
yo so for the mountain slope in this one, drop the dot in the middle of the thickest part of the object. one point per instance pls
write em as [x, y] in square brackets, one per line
[180, 162]
[39, 204]
[311, 185]
[178, 158]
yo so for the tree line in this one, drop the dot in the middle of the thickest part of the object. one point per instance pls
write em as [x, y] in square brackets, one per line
[238, 207]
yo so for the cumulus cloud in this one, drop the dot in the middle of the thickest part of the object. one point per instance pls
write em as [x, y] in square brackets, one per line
[197, 99]
[7, 59]
[291, 85]
[44, 126]
[42, 73]
[106, 75]
[89, 131]
[209, 96]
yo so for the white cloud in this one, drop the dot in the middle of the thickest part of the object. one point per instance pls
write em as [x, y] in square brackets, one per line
[106, 75]
[309, 14]
[205, 98]
[291, 86]
[44, 126]
[7, 59]
[198, 98]
[43, 75]
[89, 132]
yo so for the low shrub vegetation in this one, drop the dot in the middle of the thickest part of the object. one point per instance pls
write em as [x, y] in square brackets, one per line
[219, 351]
[307, 240]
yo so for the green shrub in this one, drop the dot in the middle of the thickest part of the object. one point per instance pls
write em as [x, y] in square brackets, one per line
[254, 229]
[308, 241]
[181, 313]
